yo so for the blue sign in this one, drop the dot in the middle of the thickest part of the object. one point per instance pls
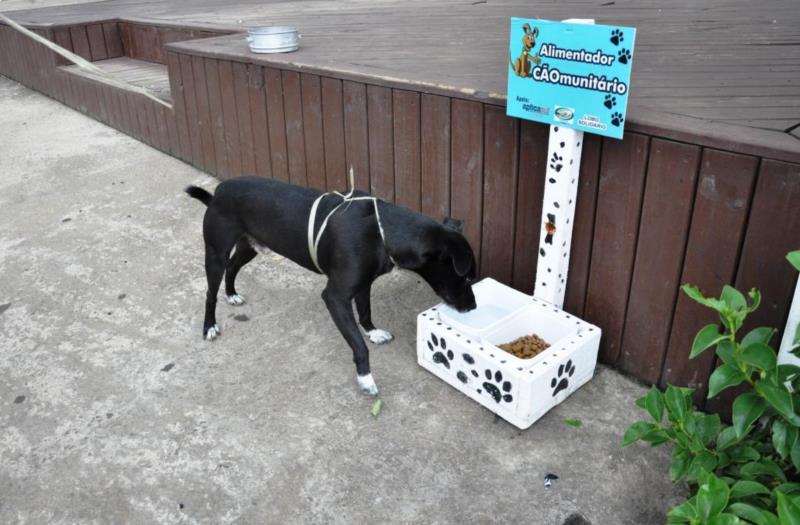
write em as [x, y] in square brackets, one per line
[573, 75]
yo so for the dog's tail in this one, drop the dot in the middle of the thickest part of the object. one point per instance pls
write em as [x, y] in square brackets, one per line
[199, 194]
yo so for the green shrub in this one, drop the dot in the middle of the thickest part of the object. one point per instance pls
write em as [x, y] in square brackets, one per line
[748, 471]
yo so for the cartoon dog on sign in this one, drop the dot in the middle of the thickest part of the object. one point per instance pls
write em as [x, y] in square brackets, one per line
[522, 65]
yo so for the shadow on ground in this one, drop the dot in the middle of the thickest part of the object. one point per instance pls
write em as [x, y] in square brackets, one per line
[114, 410]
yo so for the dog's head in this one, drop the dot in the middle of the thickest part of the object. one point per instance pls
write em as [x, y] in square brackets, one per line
[448, 265]
[529, 39]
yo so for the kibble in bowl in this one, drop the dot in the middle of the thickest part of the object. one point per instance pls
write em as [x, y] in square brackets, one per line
[525, 347]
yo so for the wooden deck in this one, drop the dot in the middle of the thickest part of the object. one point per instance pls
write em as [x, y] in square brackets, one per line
[734, 62]
[149, 75]
[703, 188]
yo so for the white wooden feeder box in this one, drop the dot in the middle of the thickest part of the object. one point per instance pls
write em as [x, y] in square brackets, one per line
[461, 349]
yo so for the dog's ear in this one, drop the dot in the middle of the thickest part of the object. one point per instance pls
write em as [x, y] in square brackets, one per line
[458, 250]
[535, 32]
[526, 28]
[454, 224]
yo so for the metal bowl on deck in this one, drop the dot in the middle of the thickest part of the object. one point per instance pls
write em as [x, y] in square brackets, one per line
[273, 39]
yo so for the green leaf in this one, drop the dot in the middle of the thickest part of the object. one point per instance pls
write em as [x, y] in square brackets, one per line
[787, 372]
[574, 423]
[656, 437]
[726, 352]
[376, 408]
[683, 513]
[636, 431]
[704, 462]
[654, 403]
[733, 298]
[779, 435]
[712, 497]
[680, 463]
[753, 514]
[707, 337]
[788, 510]
[727, 438]
[707, 428]
[746, 409]
[743, 488]
[764, 467]
[788, 488]
[694, 293]
[640, 402]
[724, 519]
[676, 402]
[760, 356]
[780, 399]
[725, 376]
[755, 298]
[795, 455]
[794, 259]
[758, 335]
[743, 454]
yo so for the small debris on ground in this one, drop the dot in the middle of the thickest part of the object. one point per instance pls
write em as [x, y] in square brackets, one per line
[376, 408]
[549, 479]
[574, 423]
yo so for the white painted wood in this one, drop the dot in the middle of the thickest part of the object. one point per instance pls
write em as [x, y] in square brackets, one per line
[784, 357]
[558, 209]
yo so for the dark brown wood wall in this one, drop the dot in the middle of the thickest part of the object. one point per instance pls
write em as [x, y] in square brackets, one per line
[652, 213]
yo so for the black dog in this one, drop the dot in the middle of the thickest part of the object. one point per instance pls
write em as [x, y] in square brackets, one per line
[363, 240]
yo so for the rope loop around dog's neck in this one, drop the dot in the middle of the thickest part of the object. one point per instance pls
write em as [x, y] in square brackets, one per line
[313, 242]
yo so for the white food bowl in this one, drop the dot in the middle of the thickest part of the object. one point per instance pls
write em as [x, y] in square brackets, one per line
[274, 39]
[461, 350]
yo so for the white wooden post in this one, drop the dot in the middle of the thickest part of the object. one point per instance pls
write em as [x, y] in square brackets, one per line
[558, 209]
[784, 357]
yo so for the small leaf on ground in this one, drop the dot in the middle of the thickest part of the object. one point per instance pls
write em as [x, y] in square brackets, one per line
[575, 423]
[376, 408]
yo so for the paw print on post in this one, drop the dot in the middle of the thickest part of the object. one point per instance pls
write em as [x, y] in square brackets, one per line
[561, 381]
[496, 387]
[441, 355]
[610, 101]
[616, 119]
[623, 56]
[616, 37]
[555, 162]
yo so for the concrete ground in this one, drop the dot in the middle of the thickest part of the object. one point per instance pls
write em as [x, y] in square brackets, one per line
[114, 410]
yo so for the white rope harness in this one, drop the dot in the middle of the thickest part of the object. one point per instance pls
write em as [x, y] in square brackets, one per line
[347, 198]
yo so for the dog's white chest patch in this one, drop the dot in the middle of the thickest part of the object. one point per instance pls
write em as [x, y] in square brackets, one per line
[260, 248]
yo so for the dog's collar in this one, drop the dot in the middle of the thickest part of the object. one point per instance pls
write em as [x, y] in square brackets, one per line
[313, 242]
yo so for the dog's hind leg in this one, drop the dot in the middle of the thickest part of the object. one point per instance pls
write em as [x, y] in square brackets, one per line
[220, 238]
[363, 306]
[341, 311]
[244, 254]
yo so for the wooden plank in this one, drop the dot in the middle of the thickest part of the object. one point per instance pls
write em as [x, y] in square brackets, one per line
[664, 229]
[407, 136]
[356, 136]
[217, 118]
[295, 140]
[619, 200]
[203, 116]
[126, 37]
[724, 189]
[258, 109]
[333, 135]
[773, 230]
[243, 117]
[97, 42]
[314, 144]
[466, 169]
[501, 148]
[435, 156]
[530, 191]
[381, 147]
[276, 124]
[583, 229]
[153, 136]
[233, 151]
[113, 40]
[61, 36]
[80, 42]
[173, 139]
[179, 107]
[190, 104]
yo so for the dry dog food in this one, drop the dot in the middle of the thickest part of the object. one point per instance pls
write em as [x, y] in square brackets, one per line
[525, 347]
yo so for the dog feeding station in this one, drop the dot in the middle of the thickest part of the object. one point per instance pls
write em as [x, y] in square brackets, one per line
[574, 76]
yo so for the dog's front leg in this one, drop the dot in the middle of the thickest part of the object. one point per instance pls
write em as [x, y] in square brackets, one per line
[363, 306]
[341, 311]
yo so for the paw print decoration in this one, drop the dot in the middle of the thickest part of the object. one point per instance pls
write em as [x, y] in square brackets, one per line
[624, 56]
[561, 380]
[616, 37]
[616, 119]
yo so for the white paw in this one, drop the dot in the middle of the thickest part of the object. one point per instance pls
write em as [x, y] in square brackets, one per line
[235, 299]
[367, 385]
[379, 336]
[213, 332]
